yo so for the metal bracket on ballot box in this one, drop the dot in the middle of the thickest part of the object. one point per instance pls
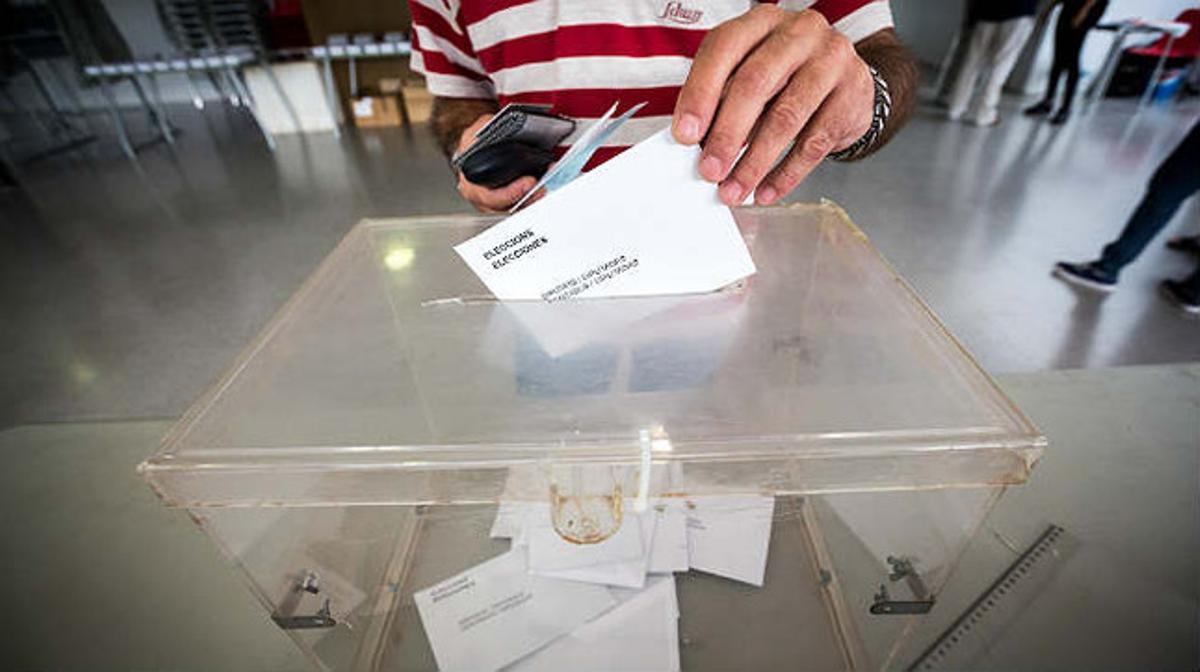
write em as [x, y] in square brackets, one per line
[884, 605]
[285, 615]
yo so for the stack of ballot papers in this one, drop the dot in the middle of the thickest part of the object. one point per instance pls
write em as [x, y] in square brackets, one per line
[552, 604]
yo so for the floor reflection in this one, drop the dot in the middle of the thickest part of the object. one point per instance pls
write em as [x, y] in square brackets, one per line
[128, 286]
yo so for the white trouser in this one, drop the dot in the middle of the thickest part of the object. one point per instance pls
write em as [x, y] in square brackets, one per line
[991, 54]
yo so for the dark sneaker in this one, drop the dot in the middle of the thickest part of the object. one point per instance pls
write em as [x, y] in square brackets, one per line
[1041, 109]
[1087, 275]
[1176, 295]
[1185, 244]
[1060, 117]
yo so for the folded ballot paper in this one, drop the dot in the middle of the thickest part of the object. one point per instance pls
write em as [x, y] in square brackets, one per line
[550, 604]
[642, 224]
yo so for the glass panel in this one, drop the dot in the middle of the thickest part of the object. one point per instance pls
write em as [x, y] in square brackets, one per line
[827, 559]
[392, 378]
[894, 547]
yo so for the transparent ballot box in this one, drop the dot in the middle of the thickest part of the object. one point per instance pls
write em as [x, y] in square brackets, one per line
[357, 460]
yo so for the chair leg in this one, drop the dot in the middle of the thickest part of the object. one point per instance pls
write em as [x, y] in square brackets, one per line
[283, 97]
[27, 111]
[157, 115]
[331, 98]
[215, 81]
[72, 94]
[251, 106]
[1148, 94]
[118, 123]
[403, 103]
[58, 122]
[197, 99]
[1100, 85]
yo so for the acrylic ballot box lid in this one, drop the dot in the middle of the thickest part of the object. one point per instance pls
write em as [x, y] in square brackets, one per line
[391, 377]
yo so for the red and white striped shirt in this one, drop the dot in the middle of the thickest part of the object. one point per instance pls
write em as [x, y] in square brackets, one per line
[581, 56]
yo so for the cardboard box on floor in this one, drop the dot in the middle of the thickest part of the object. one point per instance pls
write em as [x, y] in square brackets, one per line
[375, 111]
[382, 106]
[417, 100]
[396, 103]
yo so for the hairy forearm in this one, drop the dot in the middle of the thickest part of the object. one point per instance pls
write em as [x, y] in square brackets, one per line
[450, 116]
[884, 52]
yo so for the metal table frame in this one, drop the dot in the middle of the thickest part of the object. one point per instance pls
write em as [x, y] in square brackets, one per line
[1121, 30]
[229, 64]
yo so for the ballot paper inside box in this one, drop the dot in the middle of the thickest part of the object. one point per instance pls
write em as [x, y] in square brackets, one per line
[356, 456]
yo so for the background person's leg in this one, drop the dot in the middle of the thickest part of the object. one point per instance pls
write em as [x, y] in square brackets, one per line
[1009, 39]
[968, 72]
[1185, 244]
[1078, 36]
[1073, 45]
[1184, 294]
[952, 64]
[1191, 285]
[1175, 180]
[1057, 65]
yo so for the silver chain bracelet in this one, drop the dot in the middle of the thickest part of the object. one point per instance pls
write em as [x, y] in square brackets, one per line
[883, 109]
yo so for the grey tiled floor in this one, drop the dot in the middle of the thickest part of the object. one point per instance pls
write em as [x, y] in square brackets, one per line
[127, 288]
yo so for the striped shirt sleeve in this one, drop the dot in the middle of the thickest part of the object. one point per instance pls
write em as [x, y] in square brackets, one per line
[856, 19]
[442, 53]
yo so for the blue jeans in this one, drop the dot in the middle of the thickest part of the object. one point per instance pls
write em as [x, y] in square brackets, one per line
[1175, 180]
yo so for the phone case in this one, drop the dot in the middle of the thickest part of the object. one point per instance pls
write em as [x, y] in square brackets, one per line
[498, 164]
[518, 141]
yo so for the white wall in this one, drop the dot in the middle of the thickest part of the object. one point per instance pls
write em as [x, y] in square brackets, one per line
[139, 24]
[928, 26]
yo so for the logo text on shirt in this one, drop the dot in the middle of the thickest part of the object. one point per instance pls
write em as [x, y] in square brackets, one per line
[675, 11]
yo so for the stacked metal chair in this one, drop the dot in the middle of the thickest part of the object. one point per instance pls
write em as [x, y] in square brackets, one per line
[207, 29]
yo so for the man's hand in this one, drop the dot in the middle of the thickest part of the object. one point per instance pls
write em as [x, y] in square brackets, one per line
[484, 199]
[765, 79]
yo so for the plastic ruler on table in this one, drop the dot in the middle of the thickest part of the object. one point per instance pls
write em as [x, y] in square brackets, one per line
[1000, 605]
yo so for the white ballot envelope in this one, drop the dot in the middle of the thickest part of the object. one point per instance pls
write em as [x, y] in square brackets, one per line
[729, 536]
[496, 612]
[669, 550]
[642, 224]
[663, 535]
[664, 530]
[509, 520]
[641, 634]
[599, 568]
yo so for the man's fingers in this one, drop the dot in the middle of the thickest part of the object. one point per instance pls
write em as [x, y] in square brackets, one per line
[819, 138]
[757, 80]
[786, 117]
[468, 134]
[720, 52]
[513, 191]
[541, 193]
[495, 200]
